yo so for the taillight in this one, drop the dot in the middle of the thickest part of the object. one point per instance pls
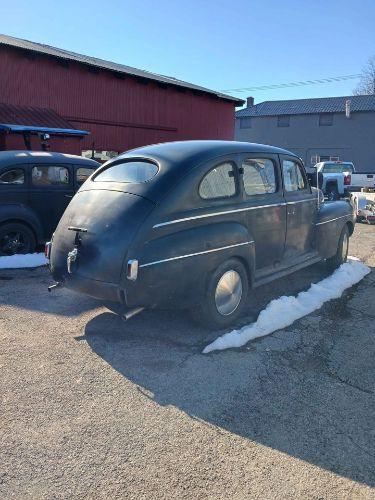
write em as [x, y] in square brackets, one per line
[47, 249]
[347, 180]
[132, 269]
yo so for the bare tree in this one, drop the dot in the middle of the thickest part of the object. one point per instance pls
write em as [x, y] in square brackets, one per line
[366, 85]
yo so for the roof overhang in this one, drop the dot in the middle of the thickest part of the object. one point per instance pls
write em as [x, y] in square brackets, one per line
[27, 129]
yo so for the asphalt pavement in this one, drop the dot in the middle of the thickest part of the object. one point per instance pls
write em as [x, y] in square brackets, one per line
[93, 407]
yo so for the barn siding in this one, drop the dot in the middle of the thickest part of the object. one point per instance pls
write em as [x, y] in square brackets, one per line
[120, 113]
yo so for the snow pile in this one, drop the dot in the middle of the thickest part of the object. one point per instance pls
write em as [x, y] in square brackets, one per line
[22, 260]
[283, 311]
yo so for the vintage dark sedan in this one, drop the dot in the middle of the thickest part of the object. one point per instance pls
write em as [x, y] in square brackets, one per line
[35, 189]
[195, 225]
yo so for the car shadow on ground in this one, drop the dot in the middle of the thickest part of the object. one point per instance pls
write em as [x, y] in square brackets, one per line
[306, 391]
[28, 289]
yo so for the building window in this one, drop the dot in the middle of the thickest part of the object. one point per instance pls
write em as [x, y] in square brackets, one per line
[99, 155]
[245, 122]
[283, 121]
[325, 119]
[316, 159]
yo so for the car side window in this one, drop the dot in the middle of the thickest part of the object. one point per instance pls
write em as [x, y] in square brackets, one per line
[219, 182]
[13, 176]
[83, 173]
[43, 175]
[259, 176]
[293, 176]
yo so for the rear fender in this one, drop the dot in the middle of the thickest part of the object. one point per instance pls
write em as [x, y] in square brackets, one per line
[21, 213]
[173, 269]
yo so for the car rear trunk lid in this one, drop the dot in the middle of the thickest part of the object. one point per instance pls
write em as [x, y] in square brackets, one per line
[101, 225]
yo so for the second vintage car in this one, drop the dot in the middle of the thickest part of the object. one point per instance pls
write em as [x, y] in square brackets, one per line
[195, 225]
[35, 189]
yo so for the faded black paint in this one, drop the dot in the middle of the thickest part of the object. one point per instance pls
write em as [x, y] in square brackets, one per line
[165, 218]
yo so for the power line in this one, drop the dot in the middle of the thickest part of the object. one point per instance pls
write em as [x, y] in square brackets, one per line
[295, 84]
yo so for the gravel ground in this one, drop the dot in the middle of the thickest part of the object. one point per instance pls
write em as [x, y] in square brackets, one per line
[92, 407]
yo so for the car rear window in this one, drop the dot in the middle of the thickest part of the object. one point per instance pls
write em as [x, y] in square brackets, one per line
[337, 168]
[129, 171]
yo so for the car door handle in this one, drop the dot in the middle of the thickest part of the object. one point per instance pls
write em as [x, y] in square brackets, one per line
[68, 196]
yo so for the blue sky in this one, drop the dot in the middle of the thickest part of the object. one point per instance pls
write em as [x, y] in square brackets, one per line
[219, 44]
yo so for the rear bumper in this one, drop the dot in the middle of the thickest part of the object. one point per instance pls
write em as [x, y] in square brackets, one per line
[97, 289]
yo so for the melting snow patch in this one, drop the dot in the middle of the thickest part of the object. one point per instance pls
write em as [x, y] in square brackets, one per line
[283, 311]
[22, 260]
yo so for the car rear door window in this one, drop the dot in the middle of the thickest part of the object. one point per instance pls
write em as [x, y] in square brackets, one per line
[259, 176]
[337, 168]
[218, 182]
[130, 172]
[51, 175]
[13, 176]
[294, 179]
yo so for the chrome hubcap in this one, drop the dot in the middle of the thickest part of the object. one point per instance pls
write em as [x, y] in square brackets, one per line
[228, 293]
[344, 249]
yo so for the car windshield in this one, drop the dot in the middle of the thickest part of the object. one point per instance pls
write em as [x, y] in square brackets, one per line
[130, 171]
[337, 168]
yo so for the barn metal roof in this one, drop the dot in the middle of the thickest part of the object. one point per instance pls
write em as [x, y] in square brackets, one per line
[31, 119]
[310, 106]
[108, 65]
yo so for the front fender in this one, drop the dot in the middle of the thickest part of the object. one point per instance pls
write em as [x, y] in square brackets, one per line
[22, 213]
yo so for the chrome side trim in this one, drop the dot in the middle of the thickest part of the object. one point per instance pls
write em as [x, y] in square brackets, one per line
[196, 253]
[194, 217]
[300, 201]
[331, 220]
[203, 216]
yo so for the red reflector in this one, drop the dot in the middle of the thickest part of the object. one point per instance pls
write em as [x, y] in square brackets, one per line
[347, 180]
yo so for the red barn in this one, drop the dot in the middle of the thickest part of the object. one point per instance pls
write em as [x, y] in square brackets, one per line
[85, 103]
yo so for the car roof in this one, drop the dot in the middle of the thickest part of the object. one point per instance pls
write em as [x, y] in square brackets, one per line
[18, 157]
[192, 153]
[176, 160]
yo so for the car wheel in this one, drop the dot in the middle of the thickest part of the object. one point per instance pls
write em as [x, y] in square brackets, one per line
[225, 297]
[16, 238]
[332, 193]
[342, 250]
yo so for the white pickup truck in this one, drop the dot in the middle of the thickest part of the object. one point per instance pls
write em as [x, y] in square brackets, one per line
[340, 178]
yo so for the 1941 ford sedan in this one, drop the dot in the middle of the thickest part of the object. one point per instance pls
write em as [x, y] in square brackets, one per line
[195, 224]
